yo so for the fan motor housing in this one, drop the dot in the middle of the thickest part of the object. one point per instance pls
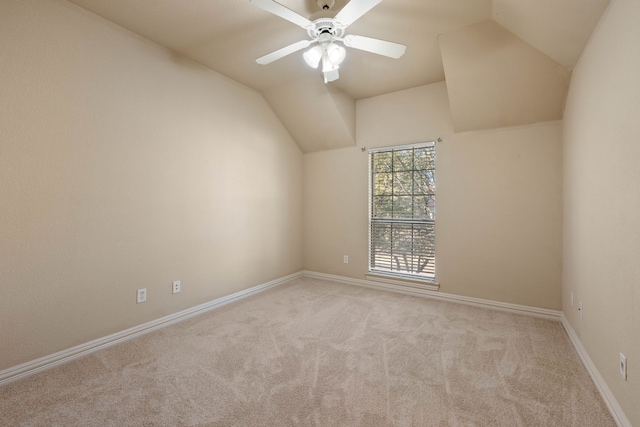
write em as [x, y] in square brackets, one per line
[325, 26]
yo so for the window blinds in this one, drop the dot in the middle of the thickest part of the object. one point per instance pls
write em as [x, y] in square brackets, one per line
[402, 210]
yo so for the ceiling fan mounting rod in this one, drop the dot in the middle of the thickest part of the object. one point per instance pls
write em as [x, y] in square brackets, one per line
[325, 4]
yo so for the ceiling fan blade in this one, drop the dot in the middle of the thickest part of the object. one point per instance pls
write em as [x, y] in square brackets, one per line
[283, 12]
[354, 10]
[381, 47]
[281, 53]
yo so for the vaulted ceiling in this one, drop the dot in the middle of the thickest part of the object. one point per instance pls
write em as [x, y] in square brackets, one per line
[228, 35]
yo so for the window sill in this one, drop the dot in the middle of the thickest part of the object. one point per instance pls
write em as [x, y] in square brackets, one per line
[403, 281]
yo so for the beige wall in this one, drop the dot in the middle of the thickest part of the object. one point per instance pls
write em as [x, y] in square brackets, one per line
[123, 166]
[496, 79]
[602, 200]
[335, 191]
[499, 200]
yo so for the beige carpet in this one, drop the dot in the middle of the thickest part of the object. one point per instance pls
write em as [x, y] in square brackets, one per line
[318, 353]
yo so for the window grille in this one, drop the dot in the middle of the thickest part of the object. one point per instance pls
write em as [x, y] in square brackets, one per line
[402, 211]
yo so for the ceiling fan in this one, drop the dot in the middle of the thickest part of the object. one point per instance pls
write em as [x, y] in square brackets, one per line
[325, 32]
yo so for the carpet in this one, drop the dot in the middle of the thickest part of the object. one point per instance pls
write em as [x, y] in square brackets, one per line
[318, 353]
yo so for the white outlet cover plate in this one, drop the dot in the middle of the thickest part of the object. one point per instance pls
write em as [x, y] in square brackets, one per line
[141, 295]
[623, 366]
[580, 308]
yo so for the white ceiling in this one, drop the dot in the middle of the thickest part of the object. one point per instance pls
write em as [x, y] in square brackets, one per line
[228, 35]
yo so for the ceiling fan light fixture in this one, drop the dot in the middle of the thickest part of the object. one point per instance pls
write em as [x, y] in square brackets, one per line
[336, 53]
[313, 56]
[331, 74]
[329, 68]
[327, 65]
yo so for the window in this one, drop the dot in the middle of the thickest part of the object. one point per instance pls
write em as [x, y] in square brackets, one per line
[402, 211]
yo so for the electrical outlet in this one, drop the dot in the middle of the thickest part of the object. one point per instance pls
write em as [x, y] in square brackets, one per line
[175, 288]
[623, 367]
[141, 296]
[580, 308]
[346, 259]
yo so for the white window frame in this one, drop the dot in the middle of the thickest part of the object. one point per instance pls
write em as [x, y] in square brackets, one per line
[398, 273]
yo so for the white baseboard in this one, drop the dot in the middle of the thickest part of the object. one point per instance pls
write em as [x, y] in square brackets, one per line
[47, 362]
[614, 407]
[494, 305]
[612, 404]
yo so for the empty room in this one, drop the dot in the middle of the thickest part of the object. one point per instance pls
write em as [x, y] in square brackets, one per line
[319, 213]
